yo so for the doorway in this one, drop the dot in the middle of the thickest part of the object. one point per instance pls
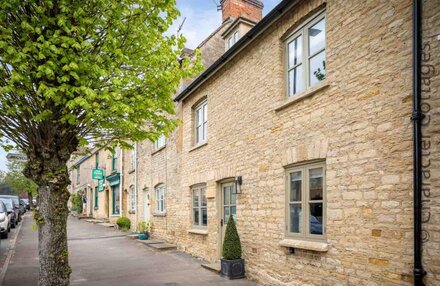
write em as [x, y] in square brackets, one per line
[228, 206]
[107, 203]
[146, 205]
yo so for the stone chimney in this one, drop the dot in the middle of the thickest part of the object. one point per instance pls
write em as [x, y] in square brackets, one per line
[250, 9]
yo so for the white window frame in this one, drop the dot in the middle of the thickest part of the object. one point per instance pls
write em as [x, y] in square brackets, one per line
[201, 192]
[160, 196]
[203, 126]
[233, 38]
[132, 198]
[304, 32]
[160, 142]
[305, 200]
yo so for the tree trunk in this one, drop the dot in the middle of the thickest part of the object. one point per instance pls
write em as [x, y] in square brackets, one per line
[47, 167]
[52, 234]
[31, 201]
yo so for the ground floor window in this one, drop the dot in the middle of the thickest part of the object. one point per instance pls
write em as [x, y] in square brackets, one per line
[160, 198]
[305, 204]
[200, 213]
[132, 198]
[116, 200]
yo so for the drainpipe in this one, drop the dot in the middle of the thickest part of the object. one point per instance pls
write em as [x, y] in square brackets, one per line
[417, 117]
[135, 187]
[121, 183]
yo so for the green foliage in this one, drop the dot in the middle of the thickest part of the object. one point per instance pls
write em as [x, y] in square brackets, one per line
[76, 200]
[16, 179]
[142, 226]
[231, 244]
[88, 71]
[123, 223]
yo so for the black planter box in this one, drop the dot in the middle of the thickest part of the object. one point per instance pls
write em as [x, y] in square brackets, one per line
[233, 269]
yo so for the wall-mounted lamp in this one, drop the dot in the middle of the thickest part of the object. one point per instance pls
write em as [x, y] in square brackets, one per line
[238, 182]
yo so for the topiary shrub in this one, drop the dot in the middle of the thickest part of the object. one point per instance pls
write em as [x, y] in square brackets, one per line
[231, 244]
[123, 223]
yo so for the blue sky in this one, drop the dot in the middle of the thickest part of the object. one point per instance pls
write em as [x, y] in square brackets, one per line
[202, 18]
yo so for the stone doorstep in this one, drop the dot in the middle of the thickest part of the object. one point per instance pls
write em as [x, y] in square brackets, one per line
[150, 241]
[215, 267]
[163, 246]
[106, 224]
[84, 217]
[96, 221]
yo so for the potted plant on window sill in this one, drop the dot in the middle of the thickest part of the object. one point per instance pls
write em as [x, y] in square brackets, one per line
[144, 230]
[232, 265]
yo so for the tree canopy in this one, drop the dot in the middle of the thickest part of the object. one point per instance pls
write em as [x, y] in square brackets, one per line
[96, 71]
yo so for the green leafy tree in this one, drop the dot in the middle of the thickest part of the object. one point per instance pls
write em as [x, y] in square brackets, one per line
[231, 243]
[20, 183]
[80, 72]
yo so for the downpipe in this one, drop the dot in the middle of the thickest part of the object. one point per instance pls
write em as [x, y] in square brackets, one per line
[417, 117]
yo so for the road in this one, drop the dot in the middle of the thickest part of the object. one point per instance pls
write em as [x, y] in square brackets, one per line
[104, 256]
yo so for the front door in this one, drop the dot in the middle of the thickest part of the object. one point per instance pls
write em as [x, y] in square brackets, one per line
[146, 205]
[228, 207]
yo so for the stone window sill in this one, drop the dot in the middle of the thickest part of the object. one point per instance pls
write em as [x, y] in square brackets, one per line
[131, 212]
[131, 171]
[302, 95]
[160, 214]
[158, 150]
[95, 208]
[115, 215]
[198, 231]
[304, 244]
[198, 146]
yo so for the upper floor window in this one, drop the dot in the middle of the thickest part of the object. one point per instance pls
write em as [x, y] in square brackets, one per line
[201, 122]
[114, 161]
[306, 56]
[233, 39]
[160, 142]
[160, 198]
[132, 159]
[200, 213]
[78, 174]
[305, 202]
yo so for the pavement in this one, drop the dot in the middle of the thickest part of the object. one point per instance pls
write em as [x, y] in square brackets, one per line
[105, 256]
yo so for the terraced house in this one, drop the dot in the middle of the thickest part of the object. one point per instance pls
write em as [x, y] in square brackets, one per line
[301, 127]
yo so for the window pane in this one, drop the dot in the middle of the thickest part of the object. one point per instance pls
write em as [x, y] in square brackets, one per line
[295, 218]
[226, 195]
[315, 183]
[236, 37]
[226, 215]
[233, 196]
[204, 217]
[205, 131]
[317, 37]
[234, 213]
[203, 197]
[196, 216]
[199, 134]
[295, 52]
[199, 116]
[295, 186]
[295, 80]
[196, 198]
[317, 68]
[315, 218]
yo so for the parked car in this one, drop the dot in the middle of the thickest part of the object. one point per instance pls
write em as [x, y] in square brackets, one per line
[26, 203]
[11, 209]
[23, 205]
[5, 225]
[16, 201]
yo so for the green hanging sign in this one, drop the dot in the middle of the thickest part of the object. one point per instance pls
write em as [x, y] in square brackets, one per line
[97, 174]
[100, 185]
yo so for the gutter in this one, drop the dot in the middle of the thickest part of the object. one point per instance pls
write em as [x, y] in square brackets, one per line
[417, 117]
[260, 27]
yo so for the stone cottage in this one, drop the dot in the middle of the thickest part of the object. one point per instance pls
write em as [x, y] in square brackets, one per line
[301, 128]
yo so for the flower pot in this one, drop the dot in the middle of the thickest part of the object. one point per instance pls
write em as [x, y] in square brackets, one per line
[233, 269]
